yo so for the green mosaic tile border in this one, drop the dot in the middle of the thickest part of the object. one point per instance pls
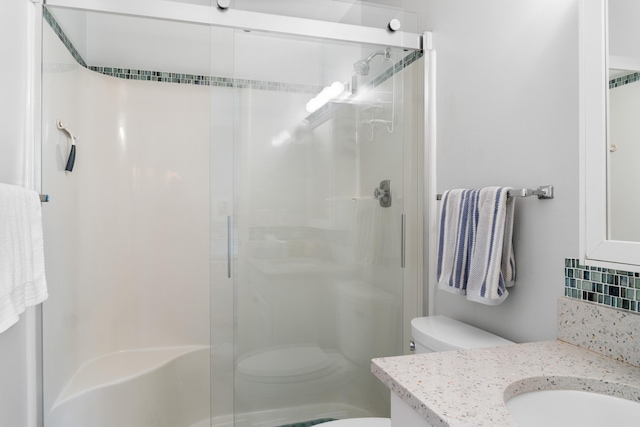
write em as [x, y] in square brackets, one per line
[614, 288]
[399, 66]
[624, 80]
[168, 77]
[180, 78]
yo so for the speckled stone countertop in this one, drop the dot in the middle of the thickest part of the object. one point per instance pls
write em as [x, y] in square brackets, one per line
[470, 387]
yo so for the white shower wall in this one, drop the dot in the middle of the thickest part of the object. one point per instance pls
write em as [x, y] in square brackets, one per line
[128, 229]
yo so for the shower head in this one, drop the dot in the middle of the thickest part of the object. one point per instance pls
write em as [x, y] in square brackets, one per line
[362, 66]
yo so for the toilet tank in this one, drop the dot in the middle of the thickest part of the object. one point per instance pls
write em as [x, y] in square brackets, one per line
[367, 322]
[441, 333]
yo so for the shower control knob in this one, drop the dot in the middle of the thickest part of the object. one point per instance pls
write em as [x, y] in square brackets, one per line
[394, 24]
[224, 4]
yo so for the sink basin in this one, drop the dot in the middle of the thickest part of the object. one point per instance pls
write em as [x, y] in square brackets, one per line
[551, 408]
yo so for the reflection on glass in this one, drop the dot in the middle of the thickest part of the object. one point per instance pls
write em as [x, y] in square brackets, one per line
[322, 291]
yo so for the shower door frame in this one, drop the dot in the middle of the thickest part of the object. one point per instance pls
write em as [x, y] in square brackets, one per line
[252, 21]
[294, 26]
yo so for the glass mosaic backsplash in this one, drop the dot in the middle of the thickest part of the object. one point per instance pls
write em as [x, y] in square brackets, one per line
[614, 288]
[624, 80]
[163, 76]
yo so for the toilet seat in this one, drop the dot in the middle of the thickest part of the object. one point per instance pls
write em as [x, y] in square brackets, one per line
[285, 364]
[292, 371]
[360, 422]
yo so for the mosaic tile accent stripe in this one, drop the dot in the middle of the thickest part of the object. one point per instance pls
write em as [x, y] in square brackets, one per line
[614, 288]
[624, 80]
[399, 66]
[168, 77]
[62, 36]
[180, 78]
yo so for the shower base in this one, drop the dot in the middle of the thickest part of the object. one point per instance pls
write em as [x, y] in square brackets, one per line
[165, 387]
[156, 387]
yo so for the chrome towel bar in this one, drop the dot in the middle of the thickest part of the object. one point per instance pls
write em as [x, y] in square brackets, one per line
[543, 192]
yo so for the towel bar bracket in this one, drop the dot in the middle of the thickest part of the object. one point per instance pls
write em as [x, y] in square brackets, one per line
[543, 192]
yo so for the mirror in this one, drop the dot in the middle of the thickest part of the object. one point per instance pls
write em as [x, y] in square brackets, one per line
[623, 113]
[610, 199]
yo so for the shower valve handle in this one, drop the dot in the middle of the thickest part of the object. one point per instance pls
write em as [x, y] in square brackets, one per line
[383, 193]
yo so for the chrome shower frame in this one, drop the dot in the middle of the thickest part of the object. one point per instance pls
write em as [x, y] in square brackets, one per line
[250, 21]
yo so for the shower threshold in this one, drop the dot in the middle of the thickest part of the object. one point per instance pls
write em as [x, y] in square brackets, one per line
[286, 416]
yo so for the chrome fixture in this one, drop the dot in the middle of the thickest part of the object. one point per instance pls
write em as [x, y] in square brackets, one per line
[362, 66]
[224, 4]
[383, 193]
[403, 240]
[394, 25]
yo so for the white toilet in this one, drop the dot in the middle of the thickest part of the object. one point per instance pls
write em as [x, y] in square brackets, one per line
[433, 334]
[298, 374]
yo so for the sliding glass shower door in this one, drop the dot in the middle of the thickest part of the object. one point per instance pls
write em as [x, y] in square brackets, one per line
[318, 221]
[229, 247]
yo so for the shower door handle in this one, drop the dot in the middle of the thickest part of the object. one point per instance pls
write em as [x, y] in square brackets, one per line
[229, 246]
[403, 239]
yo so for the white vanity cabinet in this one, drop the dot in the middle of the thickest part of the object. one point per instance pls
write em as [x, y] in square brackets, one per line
[403, 415]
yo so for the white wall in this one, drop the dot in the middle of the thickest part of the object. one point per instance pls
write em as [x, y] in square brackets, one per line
[15, 160]
[507, 98]
[623, 28]
[16, 167]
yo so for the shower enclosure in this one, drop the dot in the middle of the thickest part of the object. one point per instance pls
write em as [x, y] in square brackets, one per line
[240, 233]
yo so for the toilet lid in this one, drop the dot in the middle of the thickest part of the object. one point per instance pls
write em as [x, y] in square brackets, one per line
[441, 333]
[286, 362]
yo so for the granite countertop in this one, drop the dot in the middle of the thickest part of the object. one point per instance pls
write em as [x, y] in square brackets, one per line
[470, 387]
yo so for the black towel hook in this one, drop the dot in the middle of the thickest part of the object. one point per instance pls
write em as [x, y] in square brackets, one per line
[72, 153]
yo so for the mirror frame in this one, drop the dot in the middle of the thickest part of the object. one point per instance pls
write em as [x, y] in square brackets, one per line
[596, 248]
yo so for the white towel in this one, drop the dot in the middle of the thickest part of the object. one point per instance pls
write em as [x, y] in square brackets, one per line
[22, 278]
[492, 266]
[457, 234]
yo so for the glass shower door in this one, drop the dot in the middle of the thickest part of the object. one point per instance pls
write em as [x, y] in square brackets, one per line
[318, 278]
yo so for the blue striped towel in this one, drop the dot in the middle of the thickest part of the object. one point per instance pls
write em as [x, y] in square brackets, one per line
[492, 267]
[475, 252]
[457, 231]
